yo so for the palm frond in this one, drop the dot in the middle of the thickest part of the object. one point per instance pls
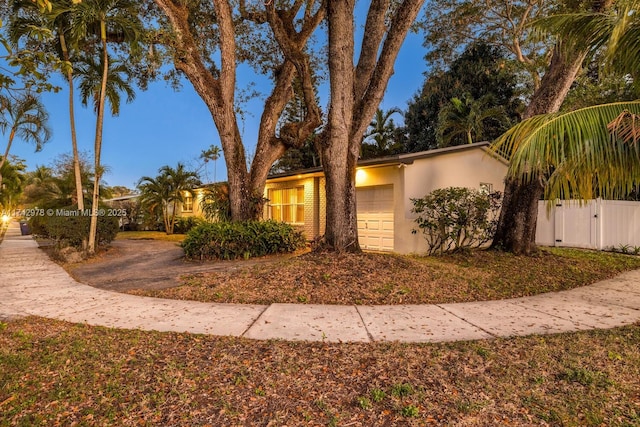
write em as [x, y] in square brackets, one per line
[576, 151]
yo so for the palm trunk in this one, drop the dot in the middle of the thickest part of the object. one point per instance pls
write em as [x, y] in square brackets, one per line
[6, 154]
[72, 125]
[93, 227]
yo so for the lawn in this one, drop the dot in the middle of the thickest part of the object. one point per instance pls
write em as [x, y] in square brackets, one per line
[370, 278]
[55, 373]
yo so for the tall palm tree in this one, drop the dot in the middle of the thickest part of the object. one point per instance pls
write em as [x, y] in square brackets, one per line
[57, 19]
[25, 118]
[212, 153]
[98, 22]
[90, 73]
[154, 197]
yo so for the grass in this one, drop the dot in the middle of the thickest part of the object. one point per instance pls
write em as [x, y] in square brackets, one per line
[55, 373]
[393, 279]
[149, 235]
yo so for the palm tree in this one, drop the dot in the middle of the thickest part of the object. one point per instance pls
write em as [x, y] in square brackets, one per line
[465, 119]
[212, 153]
[25, 118]
[58, 21]
[13, 185]
[41, 187]
[154, 197]
[593, 150]
[99, 22]
[381, 131]
[582, 153]
[166, 191]
[90, 86]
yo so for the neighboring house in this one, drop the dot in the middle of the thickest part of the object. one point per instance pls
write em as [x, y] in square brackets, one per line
[384, 189]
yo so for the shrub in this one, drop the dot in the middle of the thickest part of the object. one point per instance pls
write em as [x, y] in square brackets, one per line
[73, 228]
[457, 218]
[215, 204]
[185, 224]
[232, 240]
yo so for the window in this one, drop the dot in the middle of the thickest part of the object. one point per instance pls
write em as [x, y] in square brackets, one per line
[287, 205]
[187, 205]
[486, 188]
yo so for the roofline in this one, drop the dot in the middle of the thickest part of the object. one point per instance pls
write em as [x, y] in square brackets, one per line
[122, 198]
[397, 159]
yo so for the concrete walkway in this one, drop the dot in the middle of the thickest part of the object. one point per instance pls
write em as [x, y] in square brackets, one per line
[31, 284]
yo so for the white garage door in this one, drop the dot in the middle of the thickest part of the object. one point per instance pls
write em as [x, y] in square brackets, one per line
[375, 217]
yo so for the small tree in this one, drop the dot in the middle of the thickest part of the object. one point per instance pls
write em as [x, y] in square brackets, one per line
[465, 119]
[380, 137]
[164, 192]
[456, 218]
[215, 203]
[25, 118]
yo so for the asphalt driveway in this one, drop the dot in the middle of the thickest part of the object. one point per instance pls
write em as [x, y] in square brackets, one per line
[147, 264]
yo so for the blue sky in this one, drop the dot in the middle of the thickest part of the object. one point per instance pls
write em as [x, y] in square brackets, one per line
[163, 127]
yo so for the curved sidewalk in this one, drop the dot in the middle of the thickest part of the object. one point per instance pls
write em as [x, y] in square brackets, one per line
[31, 284]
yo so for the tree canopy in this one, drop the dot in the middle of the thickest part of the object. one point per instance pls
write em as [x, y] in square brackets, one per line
[483, 72]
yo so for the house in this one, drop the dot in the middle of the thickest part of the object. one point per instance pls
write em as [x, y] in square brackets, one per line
[384, 189]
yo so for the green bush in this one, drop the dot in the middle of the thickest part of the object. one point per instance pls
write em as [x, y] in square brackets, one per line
[68, 227]
[232, 240]
[457, 218]
[185, 224]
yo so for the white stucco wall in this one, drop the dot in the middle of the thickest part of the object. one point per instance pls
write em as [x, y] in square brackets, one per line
[466, 168]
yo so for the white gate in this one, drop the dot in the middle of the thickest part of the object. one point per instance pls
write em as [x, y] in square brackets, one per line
[594, 224]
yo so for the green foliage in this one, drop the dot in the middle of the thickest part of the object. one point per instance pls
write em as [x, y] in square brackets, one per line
[68, 227]
[378, 395]
[401, 390]
[456, 218]
[481, 72]
[161, 196]
[232, 240]
[577, 151]
[13, 181]
[410, 411]
[185, 224]
[215, 203]
[382, 138]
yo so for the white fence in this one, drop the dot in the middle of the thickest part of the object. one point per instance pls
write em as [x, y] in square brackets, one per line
[594, 224]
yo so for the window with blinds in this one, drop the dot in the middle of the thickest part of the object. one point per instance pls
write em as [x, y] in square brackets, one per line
[287, 205]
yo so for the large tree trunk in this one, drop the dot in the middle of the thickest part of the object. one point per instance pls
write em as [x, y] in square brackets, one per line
[341, 233]
[356, 93]
[246, 186]
[516, 231]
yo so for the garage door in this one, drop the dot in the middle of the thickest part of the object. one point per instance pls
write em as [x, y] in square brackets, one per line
[375, 217]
